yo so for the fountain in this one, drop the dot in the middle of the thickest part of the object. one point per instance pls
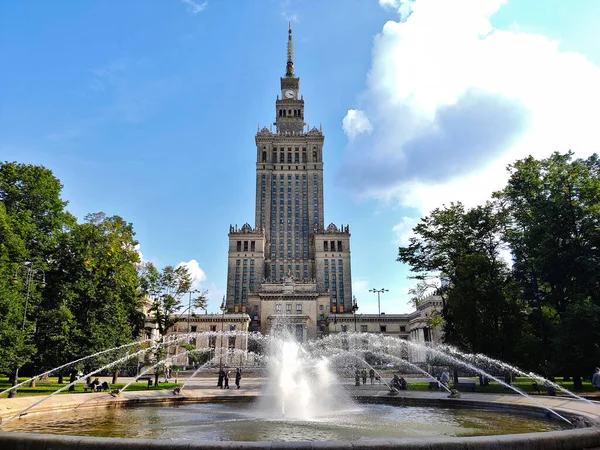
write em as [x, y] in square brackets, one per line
[298, 392]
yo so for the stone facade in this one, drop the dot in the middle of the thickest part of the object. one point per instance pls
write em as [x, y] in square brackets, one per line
[289, 259]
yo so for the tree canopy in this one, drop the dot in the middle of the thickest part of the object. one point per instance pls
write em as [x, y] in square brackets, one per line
[545, 303]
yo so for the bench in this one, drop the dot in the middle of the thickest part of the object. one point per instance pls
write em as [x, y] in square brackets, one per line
[90, 387]
[465, 386]
[537, 387]
[146, 378]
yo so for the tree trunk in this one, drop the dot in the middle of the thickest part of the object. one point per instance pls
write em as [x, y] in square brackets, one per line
[156, 377]
[577, 383]
[32, 383]
[72, 378]
[115, 377]
[60, 378]
[567, 378]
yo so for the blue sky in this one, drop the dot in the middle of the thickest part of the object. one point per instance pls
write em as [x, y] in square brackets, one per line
[148, 110]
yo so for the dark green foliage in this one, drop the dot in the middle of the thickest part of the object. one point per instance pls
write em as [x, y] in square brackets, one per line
[544, 312]
[92, 297]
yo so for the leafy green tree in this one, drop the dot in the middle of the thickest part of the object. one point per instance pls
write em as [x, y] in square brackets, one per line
[94, 302]
[554, 234]
[166, 289]
[33, 218]
[480, 312]
[16, 346]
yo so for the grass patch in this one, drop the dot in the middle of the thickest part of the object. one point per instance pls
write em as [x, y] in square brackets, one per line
[521, 383]
[51, 385]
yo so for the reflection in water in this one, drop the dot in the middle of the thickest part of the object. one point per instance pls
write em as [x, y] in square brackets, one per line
[238, 422]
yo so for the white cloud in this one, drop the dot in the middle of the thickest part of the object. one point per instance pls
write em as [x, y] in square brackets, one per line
[196, 272]
[450, 101]
[355, 123]
[195, 7]
[403, 230]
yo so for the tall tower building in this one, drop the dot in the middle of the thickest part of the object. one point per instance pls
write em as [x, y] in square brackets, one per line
[289, 269]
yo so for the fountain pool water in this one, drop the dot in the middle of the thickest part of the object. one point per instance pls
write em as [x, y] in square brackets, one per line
[241, 421]
[307, 393]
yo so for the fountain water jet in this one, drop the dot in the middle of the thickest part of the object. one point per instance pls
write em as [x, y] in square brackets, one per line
[48, 372]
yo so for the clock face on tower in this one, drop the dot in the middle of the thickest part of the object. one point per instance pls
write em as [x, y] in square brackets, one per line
[289, 93]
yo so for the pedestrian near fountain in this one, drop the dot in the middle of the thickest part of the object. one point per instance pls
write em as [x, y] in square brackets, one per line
[238, 377]
[221, 376]
[363, 373]
[445, 379]
[226, 380]
[356, 377]
[372, 375]
[596, 378]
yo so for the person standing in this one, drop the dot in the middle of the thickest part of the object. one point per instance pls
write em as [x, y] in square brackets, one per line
[596, 378]
[445, 379]
[356, 377]
[221, 376]
[226, 380]
[238, 377]
[372, 375]
[363, 372]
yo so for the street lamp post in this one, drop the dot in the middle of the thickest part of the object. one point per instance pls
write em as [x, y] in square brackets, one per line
[379, 292]
[31, 271]
[223, 308]
[354, 309]
[193, 291]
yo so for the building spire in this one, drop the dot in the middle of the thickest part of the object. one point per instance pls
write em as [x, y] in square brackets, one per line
[289, 70]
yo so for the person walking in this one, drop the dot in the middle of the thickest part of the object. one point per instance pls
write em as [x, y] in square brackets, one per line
[372, 375]
[226, 380]
[363, 372]
[356, 377]
[238, 377]
[596, 378]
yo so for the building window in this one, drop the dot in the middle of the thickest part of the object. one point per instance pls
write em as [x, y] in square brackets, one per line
[402, 329]
[383, 328]
[277, 307]
[298, 307]
[194, 328]
[344, 328]
[288, 307]
[363, 328]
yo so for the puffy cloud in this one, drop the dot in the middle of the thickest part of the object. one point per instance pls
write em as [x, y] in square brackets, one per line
[356, 122]
[450, 101]
[196, 272]
[403, 230]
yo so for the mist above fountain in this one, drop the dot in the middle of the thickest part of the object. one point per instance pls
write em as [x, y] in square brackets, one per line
[300, 384]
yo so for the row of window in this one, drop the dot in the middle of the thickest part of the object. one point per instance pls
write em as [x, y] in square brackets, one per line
[288, 307]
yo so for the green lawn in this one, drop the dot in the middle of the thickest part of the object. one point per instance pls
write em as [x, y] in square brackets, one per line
[522, 383]
[50, 385]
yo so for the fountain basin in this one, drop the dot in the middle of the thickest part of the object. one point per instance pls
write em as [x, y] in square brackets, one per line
[420, 401]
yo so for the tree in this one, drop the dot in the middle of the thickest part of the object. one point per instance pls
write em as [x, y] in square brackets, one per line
[165, 290]
[478, 312]
[94, 302]
[33, 218]
[554, 234]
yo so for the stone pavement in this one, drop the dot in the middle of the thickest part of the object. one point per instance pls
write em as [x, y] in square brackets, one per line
[205, 389]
